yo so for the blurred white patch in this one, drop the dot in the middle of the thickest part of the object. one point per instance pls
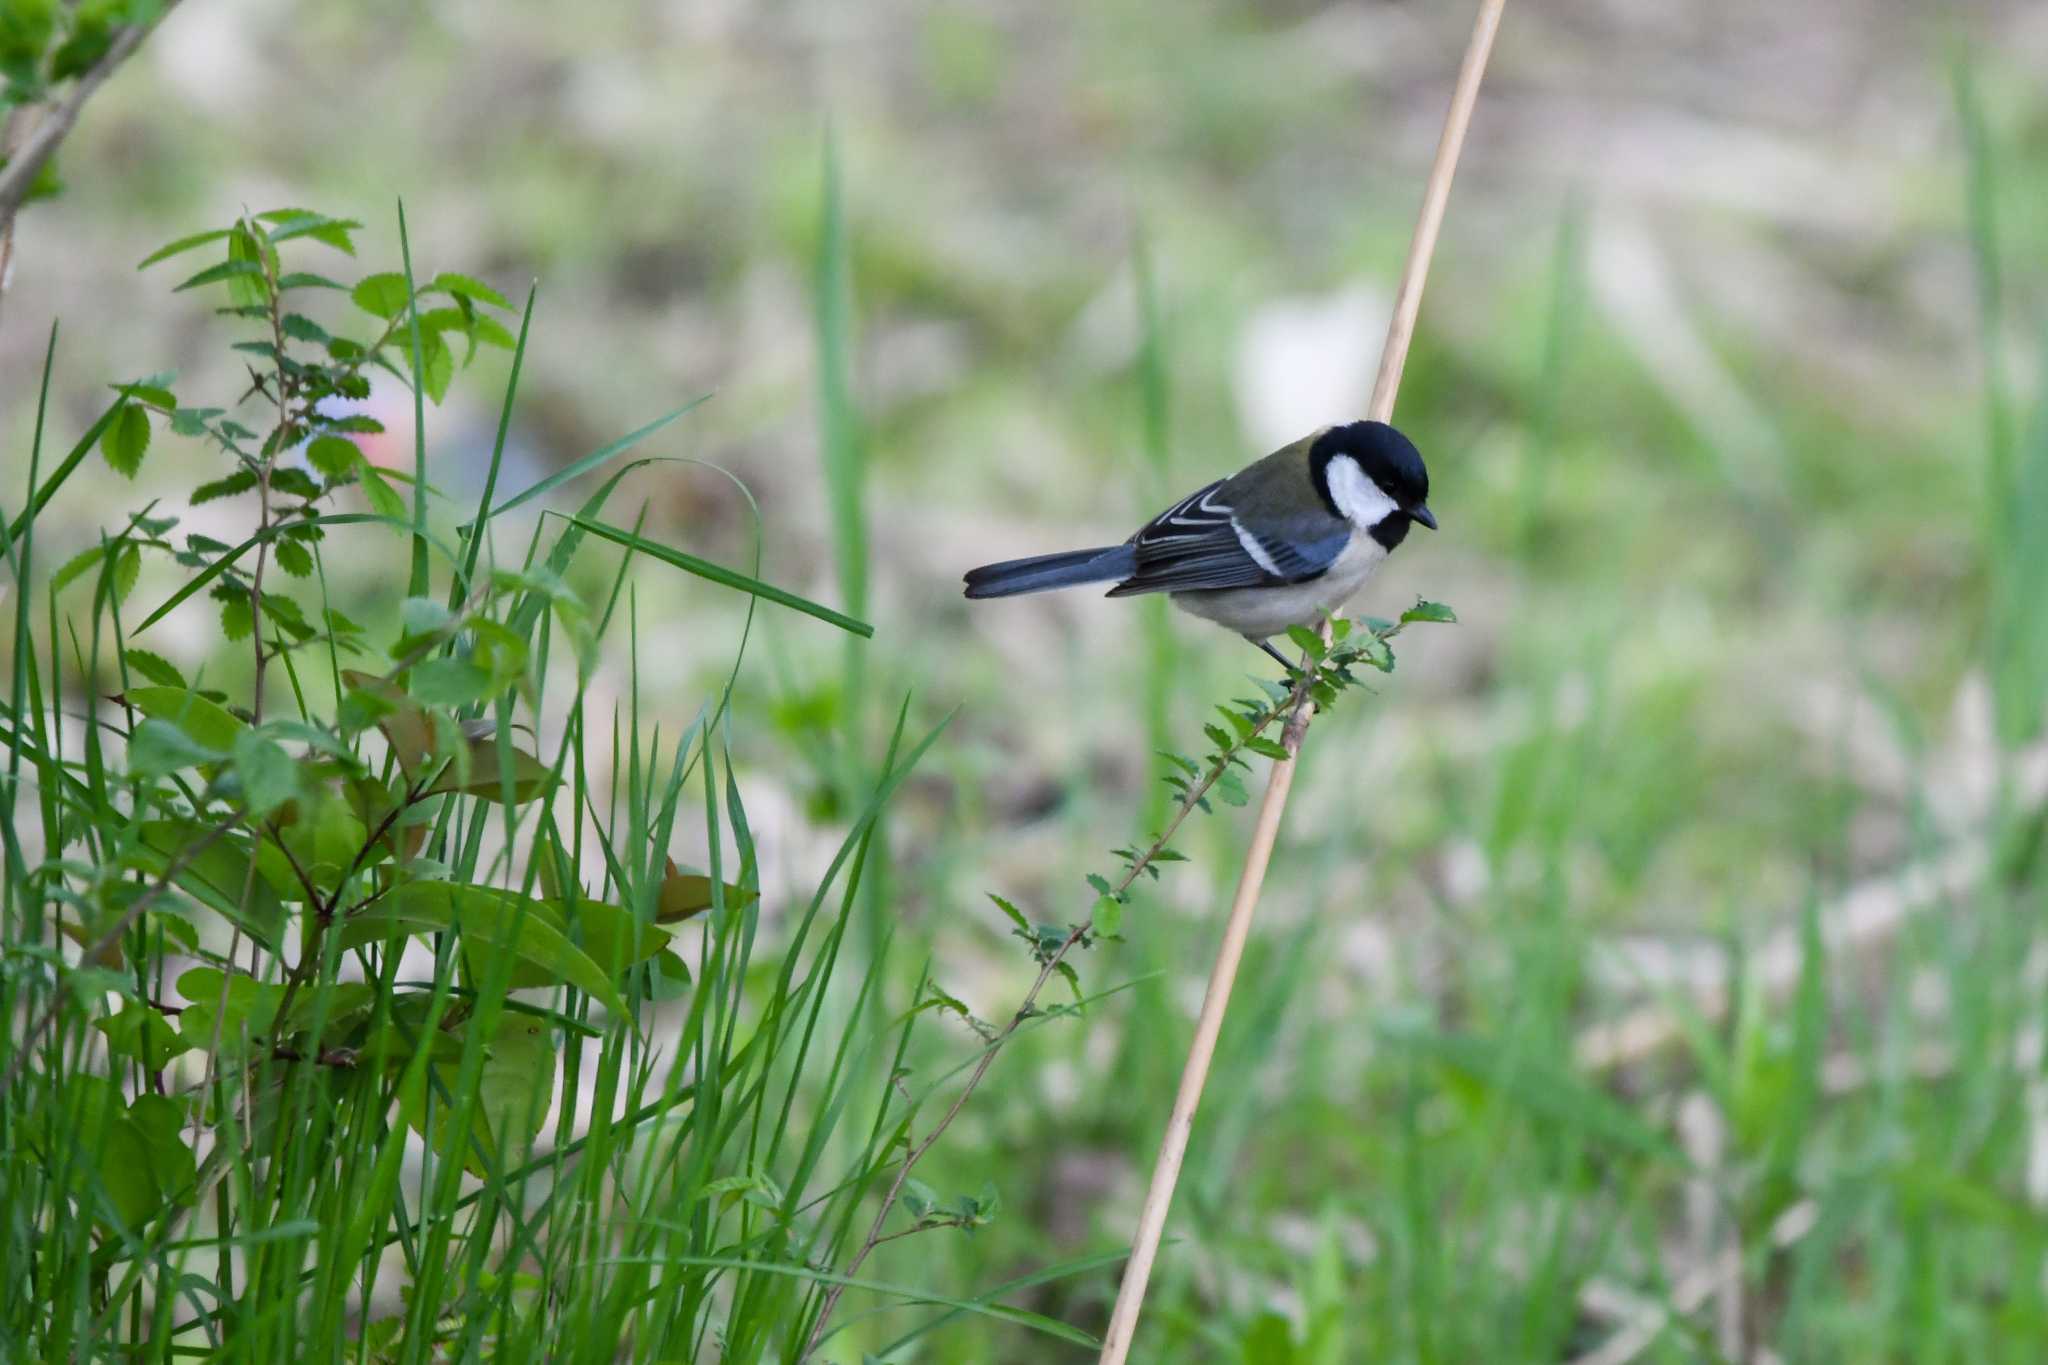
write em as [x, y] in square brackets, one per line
[1105, 333]
[1308, 361]
[208, 54]
[1633, 280]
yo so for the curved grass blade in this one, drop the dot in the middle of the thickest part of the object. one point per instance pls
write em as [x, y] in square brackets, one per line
[730, 578]
[590, 461]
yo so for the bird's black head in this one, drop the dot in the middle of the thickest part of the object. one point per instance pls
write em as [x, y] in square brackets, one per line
[1373, 476]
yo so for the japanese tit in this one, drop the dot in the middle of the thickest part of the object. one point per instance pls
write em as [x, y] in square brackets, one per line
[1280, 543]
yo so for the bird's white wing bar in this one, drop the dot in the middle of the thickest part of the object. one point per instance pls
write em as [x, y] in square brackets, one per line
[1257, 551]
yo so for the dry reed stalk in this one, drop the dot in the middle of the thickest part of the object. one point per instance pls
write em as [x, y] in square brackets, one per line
[1123, 1321]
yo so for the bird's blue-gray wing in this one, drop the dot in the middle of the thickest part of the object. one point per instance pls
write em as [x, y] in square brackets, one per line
[1199, 543]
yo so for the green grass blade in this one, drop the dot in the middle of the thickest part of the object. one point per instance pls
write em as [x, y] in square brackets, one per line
[730, 578]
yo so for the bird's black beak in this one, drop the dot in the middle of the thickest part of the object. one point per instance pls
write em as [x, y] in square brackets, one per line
[1421, 513]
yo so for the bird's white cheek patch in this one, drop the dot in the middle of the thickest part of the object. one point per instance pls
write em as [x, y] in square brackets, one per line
[1254, 549]
[1356, 496]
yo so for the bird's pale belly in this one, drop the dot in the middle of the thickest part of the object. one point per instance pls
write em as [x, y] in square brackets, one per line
[1260, 612]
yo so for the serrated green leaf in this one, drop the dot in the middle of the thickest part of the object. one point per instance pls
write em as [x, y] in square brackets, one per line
[381, 295]
[226, 270]
[153, 667]
[76, 566]
[1016, 916]
[183, 244]
[299, 327]
[158, 748]
[383, 499]
[447, 282]
[250, 288]
[142, 1034]
[497, 918]
[450, 682]
[217, 875]
[1424, 610]
[333, 456]
[126, 439]
[436, 365]
[208, 723]
[241, 481]
[293, 482]
[127, 569]
[269, 775]
[1108, 916]
[294, 558]
[237, 618]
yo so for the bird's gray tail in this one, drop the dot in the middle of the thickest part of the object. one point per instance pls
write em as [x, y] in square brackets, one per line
[1044, 572]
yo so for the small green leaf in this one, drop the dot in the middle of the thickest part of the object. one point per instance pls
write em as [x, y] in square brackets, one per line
[217, 876]
[248, 289]
[333, 456]
[514, 1089]
[299, 327]
[383, 500]
[919, 1199]
[241, 481]
[448, 282]
[269, 775]
[208, 723]
[142, 1034]
[496, 918]
[450, 682]
[170, 249]
[237, 617]
[423, 616]
[1429, 611]
[126, 439]
[153, 667]
[153, 394]
[76, 566]
[436, 365]
[1267, 748]
[226, 270]
[159, 748]
[293, 482]
[1231, 788]
[294, 559]
[1016, 915]
[382, 295]
[492, 333]
[127, 569]
[1108, 916]
[1306, 640]
[684, 894]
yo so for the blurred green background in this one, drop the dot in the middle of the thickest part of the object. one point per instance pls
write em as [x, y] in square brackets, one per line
[1653, 968]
